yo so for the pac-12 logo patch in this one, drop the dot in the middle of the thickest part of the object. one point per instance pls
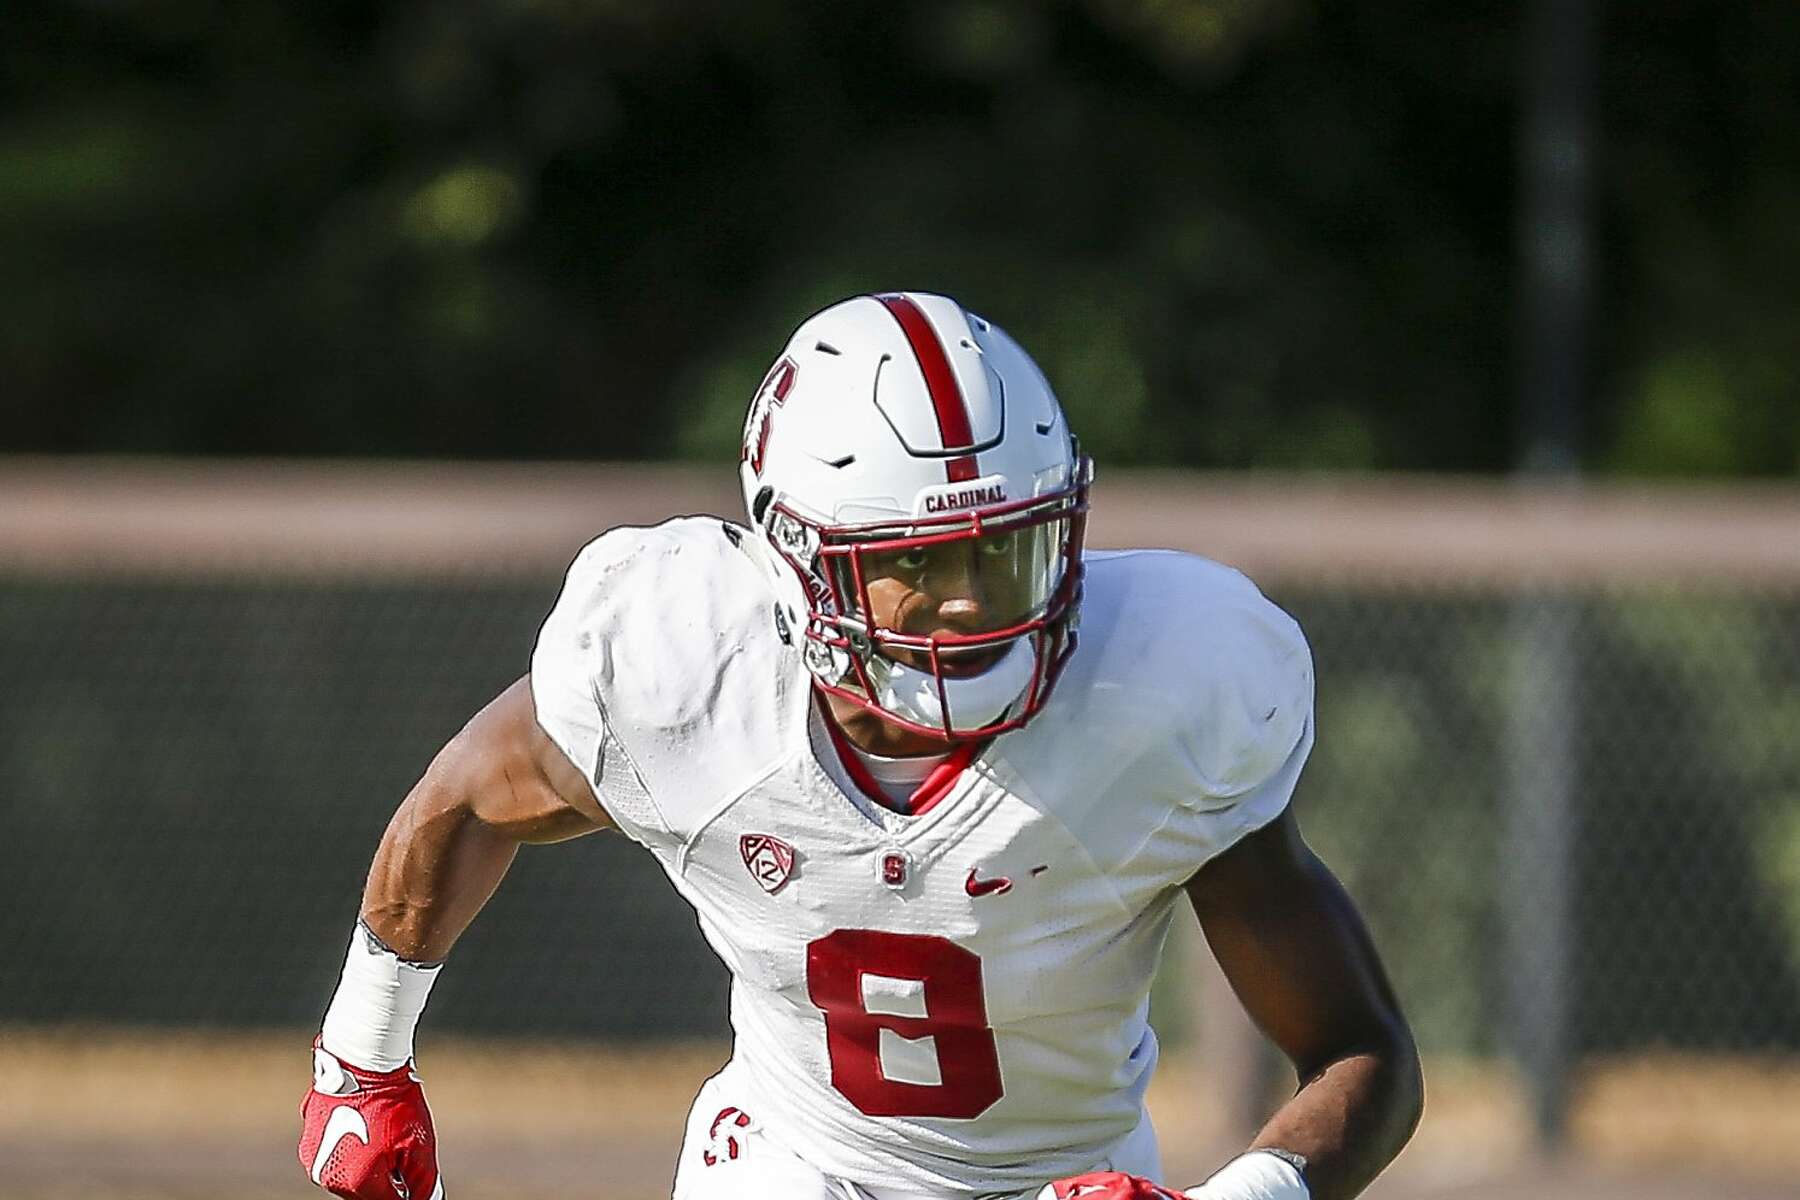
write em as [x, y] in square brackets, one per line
[770, 860]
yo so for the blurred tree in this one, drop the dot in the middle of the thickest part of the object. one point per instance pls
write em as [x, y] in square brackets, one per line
[1236, 232]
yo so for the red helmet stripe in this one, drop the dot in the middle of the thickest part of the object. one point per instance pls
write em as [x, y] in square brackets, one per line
[940, 381]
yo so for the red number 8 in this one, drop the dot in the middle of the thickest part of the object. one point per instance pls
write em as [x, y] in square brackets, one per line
[955, 1019]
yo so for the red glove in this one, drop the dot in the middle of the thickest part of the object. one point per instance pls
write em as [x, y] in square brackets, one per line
[366, 1135]
[1106, 1185]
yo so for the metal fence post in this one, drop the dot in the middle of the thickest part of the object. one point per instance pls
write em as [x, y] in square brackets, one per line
[1537, 853]
[1556, 269]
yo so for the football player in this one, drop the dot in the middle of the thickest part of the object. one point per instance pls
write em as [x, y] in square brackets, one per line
[935, 779]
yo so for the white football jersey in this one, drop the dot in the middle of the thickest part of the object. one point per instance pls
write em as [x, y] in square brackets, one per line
[954, 1000]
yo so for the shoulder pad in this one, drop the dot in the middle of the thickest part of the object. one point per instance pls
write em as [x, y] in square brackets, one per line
[663, 644]
[1182, 721]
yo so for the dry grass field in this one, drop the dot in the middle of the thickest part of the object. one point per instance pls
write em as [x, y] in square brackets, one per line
[96, 1115]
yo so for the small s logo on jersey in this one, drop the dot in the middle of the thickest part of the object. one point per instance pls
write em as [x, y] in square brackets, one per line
[770, 860]
[893, 867]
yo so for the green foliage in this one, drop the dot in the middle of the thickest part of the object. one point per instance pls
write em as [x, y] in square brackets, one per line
[1237, 232]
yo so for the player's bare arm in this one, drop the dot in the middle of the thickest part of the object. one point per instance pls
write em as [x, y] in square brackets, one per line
[1296, 952]
[498, 784]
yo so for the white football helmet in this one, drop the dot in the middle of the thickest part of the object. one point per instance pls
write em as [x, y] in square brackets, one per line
[901, 433]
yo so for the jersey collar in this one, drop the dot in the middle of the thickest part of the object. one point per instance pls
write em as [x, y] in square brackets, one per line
[937, 785]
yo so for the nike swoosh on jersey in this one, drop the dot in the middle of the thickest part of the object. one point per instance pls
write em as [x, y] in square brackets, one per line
[998, 885]
[343, 1122]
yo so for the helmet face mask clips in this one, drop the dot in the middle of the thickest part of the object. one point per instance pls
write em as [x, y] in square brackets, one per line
[909, 464]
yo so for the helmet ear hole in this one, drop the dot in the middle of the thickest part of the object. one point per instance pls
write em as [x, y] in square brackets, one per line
[759, 507]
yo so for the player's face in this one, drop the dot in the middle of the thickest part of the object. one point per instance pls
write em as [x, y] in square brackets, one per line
[962, 587]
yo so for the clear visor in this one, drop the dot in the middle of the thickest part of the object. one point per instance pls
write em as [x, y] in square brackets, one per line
[954, 583]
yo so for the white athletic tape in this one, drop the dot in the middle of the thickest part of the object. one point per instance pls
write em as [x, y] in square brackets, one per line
[376, 1008]
[1257, 1175]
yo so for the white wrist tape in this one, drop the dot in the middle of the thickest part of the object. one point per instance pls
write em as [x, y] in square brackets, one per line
[1257, 1175]
[379, 998]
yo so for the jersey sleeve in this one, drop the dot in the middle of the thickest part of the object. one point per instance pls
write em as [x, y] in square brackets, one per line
[1203, 695]
[660, 673]
[569, 665]
[1236, 753]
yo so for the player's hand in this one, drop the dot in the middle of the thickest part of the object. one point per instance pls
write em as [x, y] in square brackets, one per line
[1106, 1185]
[366, 1135]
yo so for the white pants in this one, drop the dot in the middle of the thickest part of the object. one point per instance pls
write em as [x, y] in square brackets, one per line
[726, 1155]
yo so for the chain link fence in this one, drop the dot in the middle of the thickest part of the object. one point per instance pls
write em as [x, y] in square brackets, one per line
[1670, 752]
[1571, 813]
[197, 775]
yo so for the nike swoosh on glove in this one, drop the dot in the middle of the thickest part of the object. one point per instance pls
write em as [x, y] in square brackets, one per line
[366, 1135]
[1106, 1185]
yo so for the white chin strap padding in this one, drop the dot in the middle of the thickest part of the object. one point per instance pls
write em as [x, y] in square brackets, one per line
[976, 701]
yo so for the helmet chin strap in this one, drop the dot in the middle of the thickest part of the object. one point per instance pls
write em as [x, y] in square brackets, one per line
[976, 701]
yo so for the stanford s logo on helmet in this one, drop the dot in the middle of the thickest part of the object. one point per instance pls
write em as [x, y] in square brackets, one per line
[773, 390]
[900, 427]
